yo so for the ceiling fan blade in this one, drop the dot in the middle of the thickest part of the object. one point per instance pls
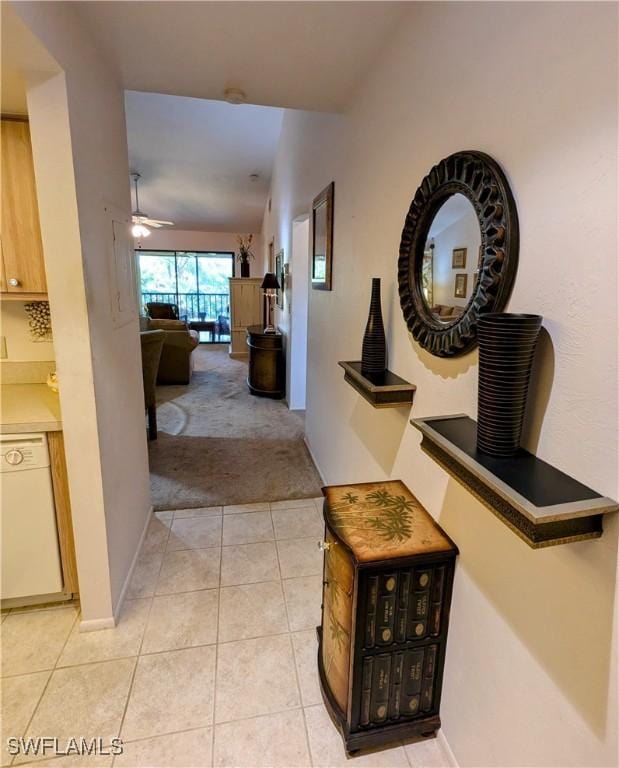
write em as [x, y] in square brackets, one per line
[157, 223]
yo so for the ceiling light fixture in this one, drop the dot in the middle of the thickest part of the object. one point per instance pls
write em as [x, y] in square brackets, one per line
[139, 230]
[235, 96]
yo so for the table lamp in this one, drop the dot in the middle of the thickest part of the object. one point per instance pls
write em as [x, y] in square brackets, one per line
[270, 286]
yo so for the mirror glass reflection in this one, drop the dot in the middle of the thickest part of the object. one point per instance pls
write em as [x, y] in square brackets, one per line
[451, 259]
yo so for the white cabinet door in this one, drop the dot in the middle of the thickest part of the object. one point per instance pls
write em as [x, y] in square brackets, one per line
[245, 310]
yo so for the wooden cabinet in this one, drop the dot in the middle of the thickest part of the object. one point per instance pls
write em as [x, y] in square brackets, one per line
[245, 310]
[23, 269]
[388, 575]
[267, 371]
[62, 502]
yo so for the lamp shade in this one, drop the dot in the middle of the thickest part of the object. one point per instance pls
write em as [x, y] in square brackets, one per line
[270, 282]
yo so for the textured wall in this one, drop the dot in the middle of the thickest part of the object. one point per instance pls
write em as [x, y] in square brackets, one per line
[532, 666]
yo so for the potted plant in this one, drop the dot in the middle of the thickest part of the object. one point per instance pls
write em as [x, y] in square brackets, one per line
[245, 253]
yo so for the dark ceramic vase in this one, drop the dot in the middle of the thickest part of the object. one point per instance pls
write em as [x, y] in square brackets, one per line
[506, 350]
[245, 269]
[374, 350]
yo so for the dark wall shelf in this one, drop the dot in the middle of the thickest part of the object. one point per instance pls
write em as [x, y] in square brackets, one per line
[386, 391]
[541, 504]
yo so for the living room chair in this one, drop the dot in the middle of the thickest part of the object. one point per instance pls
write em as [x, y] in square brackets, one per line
[151, 343]
[223, 326]
[161, 310]
[176, 363]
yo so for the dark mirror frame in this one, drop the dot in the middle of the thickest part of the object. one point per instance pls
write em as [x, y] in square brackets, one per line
[324, 198]
[480, 179]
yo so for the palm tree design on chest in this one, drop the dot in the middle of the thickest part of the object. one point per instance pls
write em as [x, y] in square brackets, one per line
[381, 517]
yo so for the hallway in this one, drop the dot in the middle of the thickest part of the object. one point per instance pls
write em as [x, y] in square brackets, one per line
[220, 445]
[213, 662]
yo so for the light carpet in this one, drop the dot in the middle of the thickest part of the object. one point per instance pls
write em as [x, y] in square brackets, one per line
[220, 445]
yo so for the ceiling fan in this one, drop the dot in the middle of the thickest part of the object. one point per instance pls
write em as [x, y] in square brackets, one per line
[141, 220]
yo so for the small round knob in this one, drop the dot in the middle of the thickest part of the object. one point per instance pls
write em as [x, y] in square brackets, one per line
[324, 546]
[14, 282]
[14, 457]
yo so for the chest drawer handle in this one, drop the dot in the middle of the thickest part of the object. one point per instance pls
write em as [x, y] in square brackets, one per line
[324, 546]
[13, 282]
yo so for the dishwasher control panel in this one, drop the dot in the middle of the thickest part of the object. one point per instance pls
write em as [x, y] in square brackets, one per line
[23, 452]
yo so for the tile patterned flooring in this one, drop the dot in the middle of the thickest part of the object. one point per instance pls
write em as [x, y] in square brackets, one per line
[213, 662]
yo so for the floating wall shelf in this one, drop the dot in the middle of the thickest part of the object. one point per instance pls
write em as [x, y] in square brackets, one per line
[541, 504]
[385, 391]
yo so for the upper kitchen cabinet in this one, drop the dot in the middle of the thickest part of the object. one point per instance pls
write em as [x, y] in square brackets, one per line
[23, 268]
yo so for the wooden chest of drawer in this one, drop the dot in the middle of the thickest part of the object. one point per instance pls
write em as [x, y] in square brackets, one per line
[388, 575]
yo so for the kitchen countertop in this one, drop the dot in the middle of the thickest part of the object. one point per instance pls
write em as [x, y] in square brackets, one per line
[29, 408]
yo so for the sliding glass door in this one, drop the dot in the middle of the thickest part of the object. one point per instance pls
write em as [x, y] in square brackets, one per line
[196, 281]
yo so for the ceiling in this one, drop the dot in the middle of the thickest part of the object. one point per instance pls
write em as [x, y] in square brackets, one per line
[304, 55]
[175, 59]
[196, 156]
[453, 209]
[21, 51]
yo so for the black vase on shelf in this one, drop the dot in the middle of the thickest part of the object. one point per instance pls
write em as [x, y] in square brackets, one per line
[374, 349]
[506, 350]
[245, 268]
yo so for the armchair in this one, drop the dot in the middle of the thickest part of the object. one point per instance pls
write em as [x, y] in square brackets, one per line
[151, 343]
[176, 362]
[160, 310]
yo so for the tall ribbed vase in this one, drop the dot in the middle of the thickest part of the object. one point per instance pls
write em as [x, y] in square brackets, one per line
[506, 349]
[374, 350]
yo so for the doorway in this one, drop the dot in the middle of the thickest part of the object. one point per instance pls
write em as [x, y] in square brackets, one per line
[296, 364]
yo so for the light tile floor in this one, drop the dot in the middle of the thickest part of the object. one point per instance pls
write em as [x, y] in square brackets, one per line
[213, 662]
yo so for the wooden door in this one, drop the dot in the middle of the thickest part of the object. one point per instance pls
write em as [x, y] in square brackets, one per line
[22, 250]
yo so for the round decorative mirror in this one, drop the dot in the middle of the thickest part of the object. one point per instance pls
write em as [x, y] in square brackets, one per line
[458, 253]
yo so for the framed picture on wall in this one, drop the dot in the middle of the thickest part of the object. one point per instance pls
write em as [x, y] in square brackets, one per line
[279, 273]
[458, 258]
[460, 286]
[322, 239]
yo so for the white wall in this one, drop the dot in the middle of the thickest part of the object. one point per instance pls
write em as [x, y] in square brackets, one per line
[297, 305]
[80, 153]
[297, 178]
[531, 676]
[172, 239]
[291, 318]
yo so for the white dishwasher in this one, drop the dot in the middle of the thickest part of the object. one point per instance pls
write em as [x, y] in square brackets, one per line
[31, 569]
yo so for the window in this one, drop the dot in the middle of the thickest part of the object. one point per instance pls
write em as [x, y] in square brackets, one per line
[197, 282]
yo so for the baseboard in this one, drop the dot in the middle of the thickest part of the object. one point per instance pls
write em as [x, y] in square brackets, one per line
[123, 591]
[91, 625]
[311, 453]
[442, 740]
[108, 623]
